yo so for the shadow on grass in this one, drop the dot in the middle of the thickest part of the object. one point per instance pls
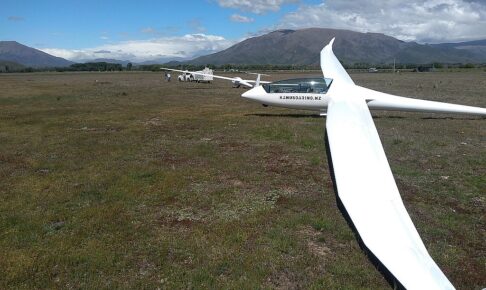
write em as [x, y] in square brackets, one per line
[286, 115]
[197, 88]
[374, 117]
[389, 277]
[453, 118]
[388, 117]
[430, 118]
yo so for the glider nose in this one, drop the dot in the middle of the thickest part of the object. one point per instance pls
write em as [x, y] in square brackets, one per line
[248, 94]
[255, 94]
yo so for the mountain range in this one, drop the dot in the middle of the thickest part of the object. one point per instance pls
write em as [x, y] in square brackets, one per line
[30, 57]
[299, 47]
[302, 47]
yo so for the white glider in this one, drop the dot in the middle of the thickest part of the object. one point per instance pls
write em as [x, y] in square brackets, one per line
[237, 81]
[362, 176]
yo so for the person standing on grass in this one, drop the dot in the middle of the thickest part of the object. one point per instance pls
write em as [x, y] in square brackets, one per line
[168, 77]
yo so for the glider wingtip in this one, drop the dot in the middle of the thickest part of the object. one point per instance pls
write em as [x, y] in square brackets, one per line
[329, 45]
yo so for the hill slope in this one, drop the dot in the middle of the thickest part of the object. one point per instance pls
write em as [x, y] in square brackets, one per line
[28, 56]
[477, 47]
[303, 47]
[10, 66]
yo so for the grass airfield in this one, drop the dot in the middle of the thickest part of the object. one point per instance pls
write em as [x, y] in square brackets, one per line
[122, 180]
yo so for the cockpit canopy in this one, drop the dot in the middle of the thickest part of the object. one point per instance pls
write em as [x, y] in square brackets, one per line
[305, 85]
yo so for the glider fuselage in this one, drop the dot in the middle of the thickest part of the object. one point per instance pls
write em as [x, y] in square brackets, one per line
[304, 93]
[304, 101]
[315, 94]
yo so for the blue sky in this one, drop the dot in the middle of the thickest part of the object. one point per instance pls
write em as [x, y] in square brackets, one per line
[76, 24]
[142, 30]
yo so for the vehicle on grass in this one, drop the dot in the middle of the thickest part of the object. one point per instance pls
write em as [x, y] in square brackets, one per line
[237, 81]
[205, 75]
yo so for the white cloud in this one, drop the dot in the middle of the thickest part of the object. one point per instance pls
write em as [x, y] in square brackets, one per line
[196, 25]
[169, 30]
[15, 18]
[414, 20]
[255, 6]
[187, 46]
[241, 18]
[148, 30]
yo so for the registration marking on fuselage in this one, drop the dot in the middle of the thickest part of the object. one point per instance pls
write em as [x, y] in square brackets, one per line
[305, 98]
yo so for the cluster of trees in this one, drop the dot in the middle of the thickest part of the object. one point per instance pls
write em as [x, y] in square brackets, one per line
[106, 66]
[90, 66]
[246, 67]
[14, 69]
[149, 67]
[10, 66]
[96, 66]
[412, 66]
[269, 67]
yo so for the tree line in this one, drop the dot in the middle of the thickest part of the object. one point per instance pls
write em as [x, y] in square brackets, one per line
[106, 66]
[270, 67]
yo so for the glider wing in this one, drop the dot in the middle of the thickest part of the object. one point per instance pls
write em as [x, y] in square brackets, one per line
[366, 187]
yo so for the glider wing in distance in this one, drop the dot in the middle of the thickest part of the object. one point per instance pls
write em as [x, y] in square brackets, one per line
[237, 81]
